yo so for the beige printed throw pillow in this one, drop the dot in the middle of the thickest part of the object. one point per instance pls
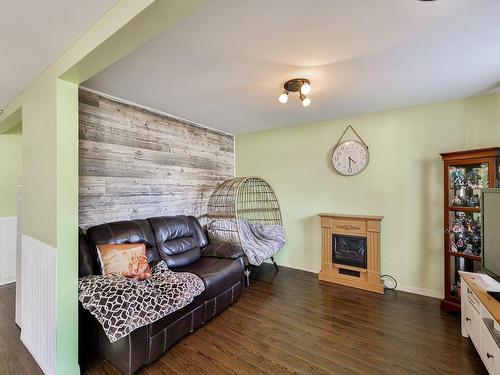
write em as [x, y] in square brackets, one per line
[127, 260]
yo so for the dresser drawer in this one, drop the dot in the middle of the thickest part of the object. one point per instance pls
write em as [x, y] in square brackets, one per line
[489, 351]
[473, 323]
[474, 301]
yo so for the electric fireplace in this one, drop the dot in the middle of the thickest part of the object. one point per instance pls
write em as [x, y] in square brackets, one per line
[349, 250]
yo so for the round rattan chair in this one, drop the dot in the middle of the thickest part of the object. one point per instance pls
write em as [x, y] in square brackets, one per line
[241, 198]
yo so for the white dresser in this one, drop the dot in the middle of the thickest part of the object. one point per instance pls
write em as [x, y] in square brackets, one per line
[480, 318]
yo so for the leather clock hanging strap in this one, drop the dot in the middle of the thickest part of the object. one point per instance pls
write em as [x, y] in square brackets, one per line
[354, 131]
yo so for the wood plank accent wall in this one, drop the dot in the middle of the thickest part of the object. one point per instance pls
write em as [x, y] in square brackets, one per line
[136, 164]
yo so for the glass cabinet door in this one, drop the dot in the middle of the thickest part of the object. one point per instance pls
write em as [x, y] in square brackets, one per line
[465, 184]
[465, 233]
[464, 220]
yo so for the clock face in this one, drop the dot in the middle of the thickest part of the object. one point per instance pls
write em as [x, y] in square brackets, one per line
[350, 158]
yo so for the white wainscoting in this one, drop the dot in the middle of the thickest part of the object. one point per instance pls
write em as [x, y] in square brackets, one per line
[8, 240]
[18, 249]
[39, 302]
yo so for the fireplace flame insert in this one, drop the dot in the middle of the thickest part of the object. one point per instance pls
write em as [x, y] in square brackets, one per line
[349, 250]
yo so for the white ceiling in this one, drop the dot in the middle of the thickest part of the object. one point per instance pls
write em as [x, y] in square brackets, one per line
[33, 33]
[224, 65]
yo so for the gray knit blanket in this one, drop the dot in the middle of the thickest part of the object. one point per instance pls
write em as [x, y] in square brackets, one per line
[260, 241]
[122, 305]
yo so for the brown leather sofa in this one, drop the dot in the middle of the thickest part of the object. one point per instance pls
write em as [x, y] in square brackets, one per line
[182, 244]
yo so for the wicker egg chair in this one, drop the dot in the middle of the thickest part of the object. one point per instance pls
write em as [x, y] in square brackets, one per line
[241, 198]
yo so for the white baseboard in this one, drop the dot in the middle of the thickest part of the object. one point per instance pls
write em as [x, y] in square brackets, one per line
[421, 291]
[8, 244]
[268, 261]
[7, 281]
[402, 287]
[38, 329]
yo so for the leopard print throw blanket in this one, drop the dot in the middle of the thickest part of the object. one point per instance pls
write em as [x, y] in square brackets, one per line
[122, 305]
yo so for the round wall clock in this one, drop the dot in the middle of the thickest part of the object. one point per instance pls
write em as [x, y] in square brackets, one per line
[350, 158]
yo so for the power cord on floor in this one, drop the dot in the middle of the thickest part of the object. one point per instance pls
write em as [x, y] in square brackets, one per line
[389, 282]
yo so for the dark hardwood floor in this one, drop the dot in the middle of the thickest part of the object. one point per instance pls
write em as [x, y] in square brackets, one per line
[15, 359]
[290, 323]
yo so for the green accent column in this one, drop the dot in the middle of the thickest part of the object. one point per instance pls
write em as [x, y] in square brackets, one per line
[67, 228]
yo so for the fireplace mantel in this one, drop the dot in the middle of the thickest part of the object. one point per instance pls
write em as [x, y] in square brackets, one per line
[343, 216]
[363, 226]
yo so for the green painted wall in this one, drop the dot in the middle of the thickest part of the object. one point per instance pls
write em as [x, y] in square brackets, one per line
[40, 161]
[11, 158]
[403, 181]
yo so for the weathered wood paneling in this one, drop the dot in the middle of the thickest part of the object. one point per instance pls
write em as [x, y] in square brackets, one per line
[138, 164]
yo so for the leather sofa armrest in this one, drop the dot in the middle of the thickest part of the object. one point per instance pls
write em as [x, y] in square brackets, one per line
[222, 250]
[128, 354]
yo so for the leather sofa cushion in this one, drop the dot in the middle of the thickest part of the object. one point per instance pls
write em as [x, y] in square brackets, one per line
[218, 274]
[200, 233]
[222, 250]
[177, 240]
[125, 232]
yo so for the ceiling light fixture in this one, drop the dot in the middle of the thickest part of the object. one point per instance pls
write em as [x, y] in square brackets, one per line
[302, 86]
[283, 97]
[305, 88]
[306, 102]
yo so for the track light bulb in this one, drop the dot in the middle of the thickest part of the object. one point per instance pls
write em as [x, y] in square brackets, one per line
[306, 102]
[283, 99]
[305, 89]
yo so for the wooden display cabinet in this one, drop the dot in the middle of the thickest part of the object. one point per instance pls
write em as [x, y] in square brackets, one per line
[465, 174]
